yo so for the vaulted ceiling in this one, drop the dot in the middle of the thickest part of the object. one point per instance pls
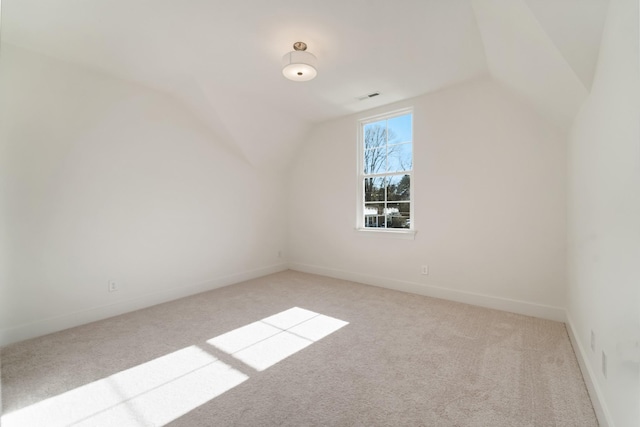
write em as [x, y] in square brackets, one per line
[222, 58]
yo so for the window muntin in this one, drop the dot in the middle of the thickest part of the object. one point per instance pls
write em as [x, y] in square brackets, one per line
[386, 171]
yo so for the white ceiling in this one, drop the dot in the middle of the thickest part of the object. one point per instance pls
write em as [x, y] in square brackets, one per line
[222, 58]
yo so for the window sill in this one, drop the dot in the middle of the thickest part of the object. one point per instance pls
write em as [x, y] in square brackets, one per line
[386, 233]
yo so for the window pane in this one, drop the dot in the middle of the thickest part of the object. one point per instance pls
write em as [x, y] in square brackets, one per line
[398, 187]
[400, 129]
[386, 147]
[375, 161]
[375, 134]
[399, 158]
[374, 215]
[398, 215]
[374, 189]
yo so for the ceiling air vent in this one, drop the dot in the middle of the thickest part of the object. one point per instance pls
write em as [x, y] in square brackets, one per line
[370, 95]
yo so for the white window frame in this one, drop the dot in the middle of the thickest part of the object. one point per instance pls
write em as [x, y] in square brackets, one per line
[404, 233]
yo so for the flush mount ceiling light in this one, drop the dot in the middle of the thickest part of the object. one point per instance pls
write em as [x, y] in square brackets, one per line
[299, 65]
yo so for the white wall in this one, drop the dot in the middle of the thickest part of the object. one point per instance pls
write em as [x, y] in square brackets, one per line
[604, 218]
[104, 179]
[489, 193]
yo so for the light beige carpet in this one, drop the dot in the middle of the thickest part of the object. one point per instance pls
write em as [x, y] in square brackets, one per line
[370, 356]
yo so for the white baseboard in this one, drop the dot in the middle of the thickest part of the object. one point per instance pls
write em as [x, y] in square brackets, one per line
[595, 393]
[498, 303]
[70, 320]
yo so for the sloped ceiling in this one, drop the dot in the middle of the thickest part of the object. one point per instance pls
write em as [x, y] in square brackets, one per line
[222, 58]
[552, 69]
[575, 27]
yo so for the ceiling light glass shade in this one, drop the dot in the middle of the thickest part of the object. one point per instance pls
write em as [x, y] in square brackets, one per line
[299, 66]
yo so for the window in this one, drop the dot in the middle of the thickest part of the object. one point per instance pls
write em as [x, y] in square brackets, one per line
[386, 172]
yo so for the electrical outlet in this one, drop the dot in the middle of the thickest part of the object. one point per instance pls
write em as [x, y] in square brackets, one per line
[604, 364]
[279, 254]
[112, 286]
[425, 270]
[593, 341]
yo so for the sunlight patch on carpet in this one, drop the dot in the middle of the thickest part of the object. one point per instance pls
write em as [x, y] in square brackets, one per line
[168, 387]
[151, 394]
[266, 342]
